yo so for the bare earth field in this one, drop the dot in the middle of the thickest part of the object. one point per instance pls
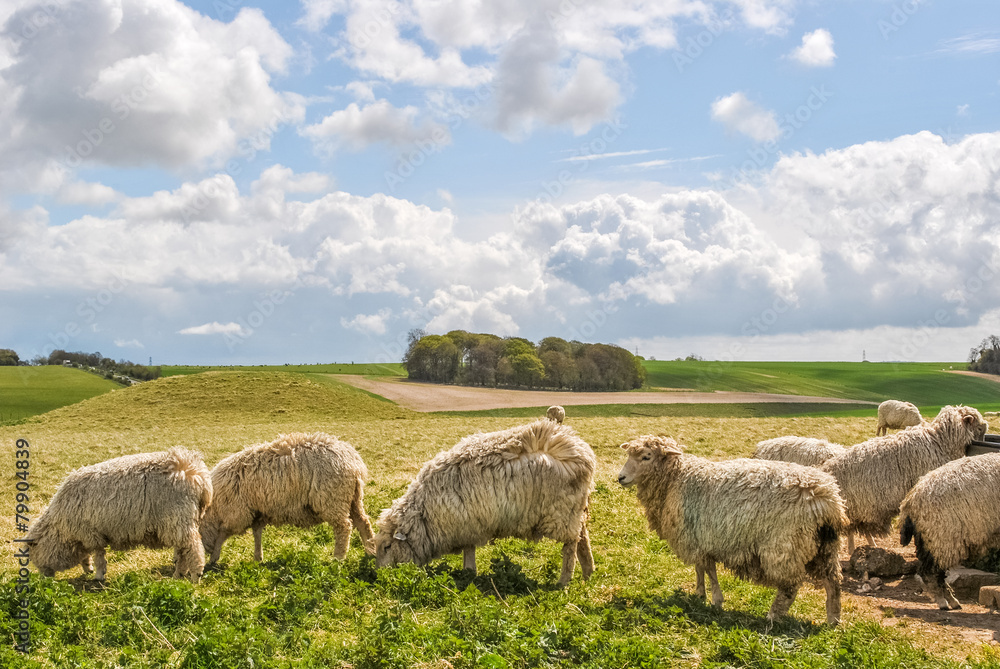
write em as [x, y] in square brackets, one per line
[420, 396]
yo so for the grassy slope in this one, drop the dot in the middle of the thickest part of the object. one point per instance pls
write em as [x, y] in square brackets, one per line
[924, 384]
[301, 608]
[366, 369]
[27, 391]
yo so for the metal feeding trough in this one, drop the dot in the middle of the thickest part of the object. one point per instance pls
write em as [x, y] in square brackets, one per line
[989, 444]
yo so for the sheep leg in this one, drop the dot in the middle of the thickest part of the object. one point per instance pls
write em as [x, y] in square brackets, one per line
[342, 530]
[871, 539]
[569, 561]
[583, 553]
[782, 601]
[699, 581]
[713, 579]
[832, 587]
[469, 558]
[258, 537]
[216, 550]
[87, 564]
[100, 564]
[850, 542]
[360, 521]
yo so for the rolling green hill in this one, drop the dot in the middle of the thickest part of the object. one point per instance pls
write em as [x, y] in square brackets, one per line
[925, 384]
[27, 391]
[363, 368]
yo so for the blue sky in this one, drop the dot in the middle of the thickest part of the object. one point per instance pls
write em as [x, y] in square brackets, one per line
[240, 182]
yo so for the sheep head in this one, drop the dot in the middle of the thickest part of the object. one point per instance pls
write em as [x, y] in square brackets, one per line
[50, 554]
[972, 422]
[394, 543]
[210, 528]
[646, 452]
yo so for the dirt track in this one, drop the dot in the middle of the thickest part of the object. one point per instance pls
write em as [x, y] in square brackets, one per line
[435, 397]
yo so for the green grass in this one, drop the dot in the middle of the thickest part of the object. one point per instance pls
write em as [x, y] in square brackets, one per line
[28, 391]
[924, 384]
[364, 369]
[734, 410]
[301, 608]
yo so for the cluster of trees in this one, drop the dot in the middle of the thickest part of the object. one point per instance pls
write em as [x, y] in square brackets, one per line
[986, 357]
[488, 360]
[8, 358]
[106, 366]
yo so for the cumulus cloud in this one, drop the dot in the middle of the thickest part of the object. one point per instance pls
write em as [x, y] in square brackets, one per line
[215, 327]
[367, 323]
[739, 114]
[135, 343]
[358, 127]
[139, 83]
[816, 49]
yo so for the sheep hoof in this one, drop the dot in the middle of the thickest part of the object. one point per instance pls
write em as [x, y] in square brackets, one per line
[956, 606]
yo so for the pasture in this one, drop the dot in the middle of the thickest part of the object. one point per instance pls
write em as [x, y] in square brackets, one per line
[28, 391]
[300, 608]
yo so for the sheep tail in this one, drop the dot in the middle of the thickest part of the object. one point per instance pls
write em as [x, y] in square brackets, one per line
[906, 531]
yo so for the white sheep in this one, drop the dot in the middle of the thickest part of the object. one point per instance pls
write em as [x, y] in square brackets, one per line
[874, 476]
[773, 523]
[896, 414]
[297, 479]
[149, 499]
[801, 450]
[528, 482]
[953, 515]
[556, 413]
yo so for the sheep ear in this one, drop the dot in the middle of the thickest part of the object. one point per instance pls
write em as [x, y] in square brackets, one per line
[400, 536]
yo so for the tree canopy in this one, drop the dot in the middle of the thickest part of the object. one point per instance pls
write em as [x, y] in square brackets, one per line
[488, 360]
[986, 357]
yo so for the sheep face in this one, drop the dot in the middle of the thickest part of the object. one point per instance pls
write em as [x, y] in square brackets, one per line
[392, 548]
[51, 555]
[972, 421]
[211, 531]
[645, 453]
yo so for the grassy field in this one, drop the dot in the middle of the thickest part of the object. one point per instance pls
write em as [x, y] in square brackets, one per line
[925, 384]
[364, 369]
[300, 608]
[28, 391]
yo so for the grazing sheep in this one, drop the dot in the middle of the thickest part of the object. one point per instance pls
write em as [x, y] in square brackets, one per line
[528, 482]
[773, 523]
[952, 514]
[895, 414]
[556, 413]
[801, 450]
[297, 479]
[149, 499]
[875, 475]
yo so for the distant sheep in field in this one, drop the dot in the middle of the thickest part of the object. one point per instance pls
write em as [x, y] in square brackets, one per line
[953, 515]
[895, 414]
[773, 523]
[556, 413]
[528, 482]
[149, 499]
[297, 479]
[875, 476]
[801, 450]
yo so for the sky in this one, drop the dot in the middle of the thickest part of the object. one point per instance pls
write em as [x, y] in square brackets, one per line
[240, 182]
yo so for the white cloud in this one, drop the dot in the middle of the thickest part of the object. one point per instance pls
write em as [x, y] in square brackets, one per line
[962, 110]
[359, 127]
[816, 49]
[215, 327]
[131, 343]
[139, 83]
[740, 114]
[368, 323]
[973, 43]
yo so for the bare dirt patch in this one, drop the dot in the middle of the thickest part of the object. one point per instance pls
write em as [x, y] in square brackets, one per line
[437, 397]
[989, 377]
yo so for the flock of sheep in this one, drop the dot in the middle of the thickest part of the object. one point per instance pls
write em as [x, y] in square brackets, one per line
[775, 519]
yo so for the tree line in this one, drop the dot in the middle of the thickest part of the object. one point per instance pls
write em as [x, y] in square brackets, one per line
[986, 357]
[92, 361]
[475, 359]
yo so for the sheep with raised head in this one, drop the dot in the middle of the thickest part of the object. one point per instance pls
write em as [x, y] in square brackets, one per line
[874, 476]
[773, 523]
[556, 413]
[297, 479]
[807, 451]
[952, 514]
[895, 414]
[528, 482]
[148, 499]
